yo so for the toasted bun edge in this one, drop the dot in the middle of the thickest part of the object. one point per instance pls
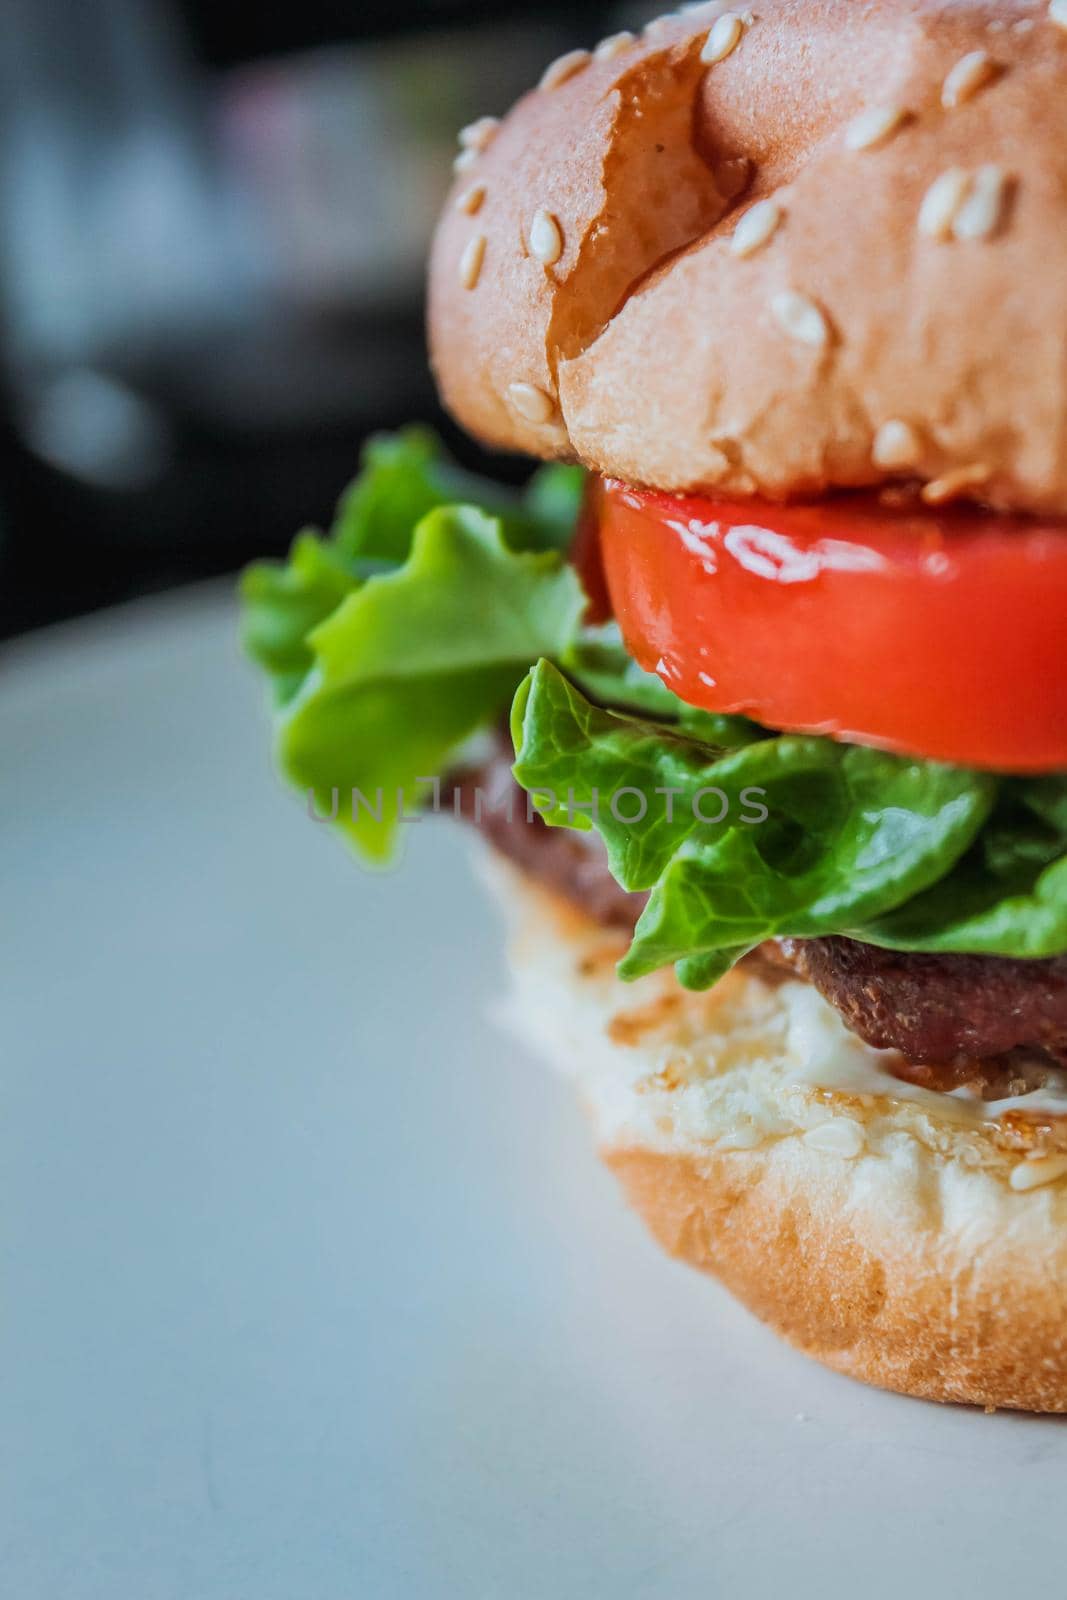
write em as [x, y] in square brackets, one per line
[882, 1238]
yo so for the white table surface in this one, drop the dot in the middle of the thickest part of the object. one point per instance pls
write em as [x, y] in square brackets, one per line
[311, 1286]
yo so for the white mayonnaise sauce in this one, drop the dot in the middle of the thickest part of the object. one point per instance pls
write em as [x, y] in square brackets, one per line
[828, 1056]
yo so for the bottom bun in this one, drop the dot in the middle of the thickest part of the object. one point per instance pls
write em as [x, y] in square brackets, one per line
[898, 1235]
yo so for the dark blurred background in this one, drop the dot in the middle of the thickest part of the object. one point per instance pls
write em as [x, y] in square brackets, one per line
[213, 226]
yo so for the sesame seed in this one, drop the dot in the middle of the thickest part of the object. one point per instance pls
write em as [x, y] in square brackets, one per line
[723, 38]
[703, 8]
[896, 445]
[470, 262]
[941, 202]
[874, 127]
[949, 487]
[479, 135]
[759, 224]
[1057, 13]
[841, 1137]
[801, 318]
[1035, 1174]
[982, 211]
[744, 1136]
[971, 73]
[471, 200]
[658, 25]
[564, 67]
[614, 45]
[530, 402]
[546, 238]
[466, 158]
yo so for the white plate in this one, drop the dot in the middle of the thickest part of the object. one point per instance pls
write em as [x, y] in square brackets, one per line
[312, 1288]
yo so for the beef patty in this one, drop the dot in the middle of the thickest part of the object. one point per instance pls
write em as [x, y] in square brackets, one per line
[570, 863]
[994, 1024]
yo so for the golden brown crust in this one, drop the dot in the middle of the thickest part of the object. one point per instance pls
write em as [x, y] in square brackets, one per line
[661, 349]
[888, 1238]
[917, 1313]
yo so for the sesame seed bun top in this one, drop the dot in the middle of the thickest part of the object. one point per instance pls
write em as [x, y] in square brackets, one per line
[774, 251]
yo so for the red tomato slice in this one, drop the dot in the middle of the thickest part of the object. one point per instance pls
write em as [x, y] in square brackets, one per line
[933, 633]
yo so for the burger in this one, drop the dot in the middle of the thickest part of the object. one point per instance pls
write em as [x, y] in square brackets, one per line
[759, 692]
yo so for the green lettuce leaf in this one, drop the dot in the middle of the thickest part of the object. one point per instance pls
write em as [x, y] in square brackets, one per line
[392, 640]
[282, 603]
[403, 477]
[412, 663]
[815, 837]
[1008, 895]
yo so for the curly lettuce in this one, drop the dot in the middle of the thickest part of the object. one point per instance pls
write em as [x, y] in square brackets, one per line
[784, 837]
[407, 629]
